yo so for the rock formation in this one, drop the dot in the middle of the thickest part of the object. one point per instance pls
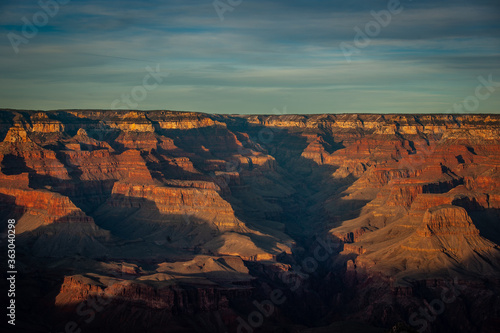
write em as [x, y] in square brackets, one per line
[188, 218]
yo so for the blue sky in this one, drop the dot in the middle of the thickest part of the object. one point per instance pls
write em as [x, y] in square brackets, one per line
[263, 56]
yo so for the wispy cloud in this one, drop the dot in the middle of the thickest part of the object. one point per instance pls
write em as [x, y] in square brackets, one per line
[263, 55]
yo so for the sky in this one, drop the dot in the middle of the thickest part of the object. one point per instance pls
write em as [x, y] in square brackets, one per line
[252, 56]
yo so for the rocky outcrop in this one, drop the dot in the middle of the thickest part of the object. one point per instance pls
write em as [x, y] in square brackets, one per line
[205, 204]
[48, 206]
[173, 298]
[447, 220]
[41, 123]
[17, 133]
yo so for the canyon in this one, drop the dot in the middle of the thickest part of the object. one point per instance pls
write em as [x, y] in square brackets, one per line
[168, 221]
